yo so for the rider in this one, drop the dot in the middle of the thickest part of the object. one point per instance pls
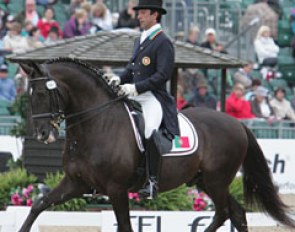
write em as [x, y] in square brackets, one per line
[144, 80]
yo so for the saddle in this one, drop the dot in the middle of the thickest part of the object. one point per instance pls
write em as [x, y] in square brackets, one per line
[136, 112]
[183, 145]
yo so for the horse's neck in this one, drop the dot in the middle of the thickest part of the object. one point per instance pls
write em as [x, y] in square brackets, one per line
[83, 95]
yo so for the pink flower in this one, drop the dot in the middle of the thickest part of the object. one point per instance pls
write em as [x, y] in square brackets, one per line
[134, 196]
[27, 191]
[199, 204]
[30, 188]
[29, 202]
[16, 199]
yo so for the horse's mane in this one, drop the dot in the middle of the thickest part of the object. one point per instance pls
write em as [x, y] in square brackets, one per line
[97, 73]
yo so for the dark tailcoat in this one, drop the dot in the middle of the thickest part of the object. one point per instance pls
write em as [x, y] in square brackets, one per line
[150, 67]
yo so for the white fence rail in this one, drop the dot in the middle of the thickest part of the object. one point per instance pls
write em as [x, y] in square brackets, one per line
[147, 221]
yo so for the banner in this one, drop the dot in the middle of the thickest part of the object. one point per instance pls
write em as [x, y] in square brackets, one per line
[164, 221]
[145, 221]
[280, 155]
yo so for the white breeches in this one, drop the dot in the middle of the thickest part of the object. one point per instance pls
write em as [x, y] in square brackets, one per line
[152, 112]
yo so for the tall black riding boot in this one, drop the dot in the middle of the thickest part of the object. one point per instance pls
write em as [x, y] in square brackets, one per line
[153, 158]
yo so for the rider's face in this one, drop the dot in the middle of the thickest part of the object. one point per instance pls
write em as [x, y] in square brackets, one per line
[146, 19]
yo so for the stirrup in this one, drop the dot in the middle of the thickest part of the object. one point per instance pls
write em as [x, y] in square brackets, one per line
[152, 190]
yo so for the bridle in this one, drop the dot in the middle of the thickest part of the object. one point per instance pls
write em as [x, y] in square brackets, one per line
[57, 114]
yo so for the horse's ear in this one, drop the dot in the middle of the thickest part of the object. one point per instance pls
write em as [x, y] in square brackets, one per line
[38, 68]
[28, 69]
[32, 69]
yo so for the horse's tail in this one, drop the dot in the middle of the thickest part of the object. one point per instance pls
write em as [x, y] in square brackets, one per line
[258, 184]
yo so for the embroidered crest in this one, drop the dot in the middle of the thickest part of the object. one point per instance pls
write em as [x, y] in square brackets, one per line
[146, 60]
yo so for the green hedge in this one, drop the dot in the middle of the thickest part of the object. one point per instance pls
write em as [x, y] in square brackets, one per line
[13, 179]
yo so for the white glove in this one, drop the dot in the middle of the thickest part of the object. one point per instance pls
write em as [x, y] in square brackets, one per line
[128, 89]
[112, 79]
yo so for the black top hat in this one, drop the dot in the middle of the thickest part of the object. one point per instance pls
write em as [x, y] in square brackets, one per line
[151, 4]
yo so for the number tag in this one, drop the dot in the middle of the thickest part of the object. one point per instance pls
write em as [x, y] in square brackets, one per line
[51, 85]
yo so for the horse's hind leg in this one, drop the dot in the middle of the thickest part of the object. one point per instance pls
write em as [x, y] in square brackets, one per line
[65, 191]
[219, 195]
[120, 202]
[237, 215]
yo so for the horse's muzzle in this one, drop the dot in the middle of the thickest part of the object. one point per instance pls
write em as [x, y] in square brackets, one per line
[47, 136]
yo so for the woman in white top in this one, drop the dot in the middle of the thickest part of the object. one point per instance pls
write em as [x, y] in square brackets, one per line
[282, 107]
[14, 41]
[266, 49]
[101, 18]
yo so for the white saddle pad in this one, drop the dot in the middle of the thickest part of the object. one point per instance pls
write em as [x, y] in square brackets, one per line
[183, 145]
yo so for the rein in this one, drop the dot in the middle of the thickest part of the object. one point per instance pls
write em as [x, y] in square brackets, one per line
[98, 109]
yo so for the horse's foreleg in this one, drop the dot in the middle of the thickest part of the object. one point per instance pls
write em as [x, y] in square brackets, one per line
[120, 203]
[65, 191]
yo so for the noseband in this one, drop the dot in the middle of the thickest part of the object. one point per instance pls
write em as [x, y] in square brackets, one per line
[56, 113]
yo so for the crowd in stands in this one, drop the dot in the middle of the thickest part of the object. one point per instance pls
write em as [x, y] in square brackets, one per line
[31, 28]
[248, 96]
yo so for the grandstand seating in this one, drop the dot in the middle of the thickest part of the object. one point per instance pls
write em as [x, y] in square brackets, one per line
[7, 123]
[4, 107]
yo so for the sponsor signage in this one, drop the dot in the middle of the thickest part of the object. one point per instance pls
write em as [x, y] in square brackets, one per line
[156, 221]
[280, 155]
[164, 221]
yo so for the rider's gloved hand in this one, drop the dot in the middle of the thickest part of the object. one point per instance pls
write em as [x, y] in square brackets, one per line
[112, 79]
[128, 89]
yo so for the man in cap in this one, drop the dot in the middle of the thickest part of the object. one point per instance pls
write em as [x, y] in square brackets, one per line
[7, 86]
[201, 97]
[211, 43]
[144, 80]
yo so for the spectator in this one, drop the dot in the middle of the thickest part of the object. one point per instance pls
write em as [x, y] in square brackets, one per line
[260, 104]
[53, 36]
[35, 40]
[87, 6]
[127, 17]
[281, 106]
[202, 98]
[109, 16]
[75, 4]
[243, 75]
[47, 22]
[28, 27]
[7, 86]
[236, 105]
[193, 36]
[189, 79]
[99, 17]
[29, 14]
[77, 25]
[3, 19]
[266, 49]
[13, 41]
[275, 5]
[251, 93]
[46, 2]
[181, 102]
[211, 43]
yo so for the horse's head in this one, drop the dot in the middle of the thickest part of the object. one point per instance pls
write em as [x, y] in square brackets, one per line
[45, 102]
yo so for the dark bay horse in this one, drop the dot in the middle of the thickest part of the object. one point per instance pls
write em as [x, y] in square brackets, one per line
[101, 152]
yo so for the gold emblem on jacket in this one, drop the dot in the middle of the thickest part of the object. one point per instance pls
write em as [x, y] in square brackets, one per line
[146, 61]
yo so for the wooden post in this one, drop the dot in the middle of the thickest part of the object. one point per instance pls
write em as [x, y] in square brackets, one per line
[223, 89]
[173, 86]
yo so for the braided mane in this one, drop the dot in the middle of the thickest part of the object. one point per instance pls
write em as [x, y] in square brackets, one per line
[97, 73]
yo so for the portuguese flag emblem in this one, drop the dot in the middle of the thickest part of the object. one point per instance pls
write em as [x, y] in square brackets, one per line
[181, 142]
